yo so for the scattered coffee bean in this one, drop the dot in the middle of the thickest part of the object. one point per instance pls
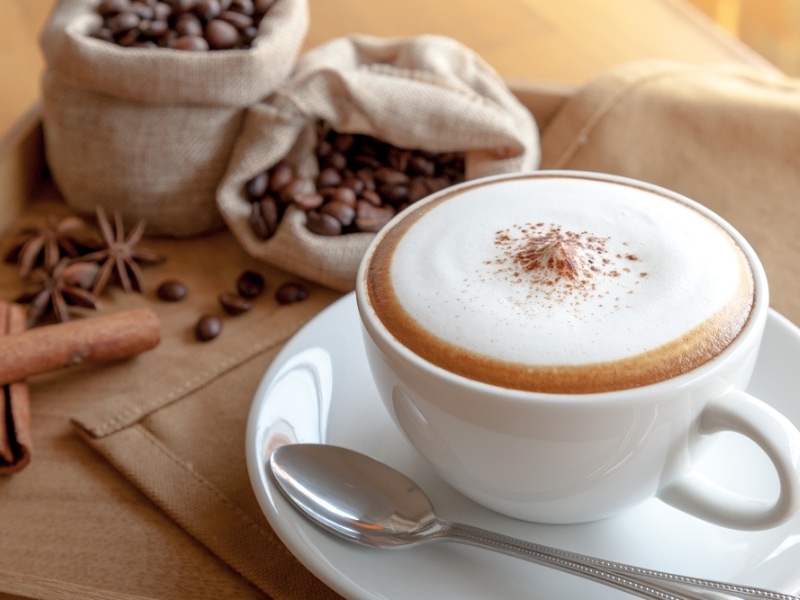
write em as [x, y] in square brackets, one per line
[197, 25]
[172, 290]
[291, 292]
[250, 284]
[361, 184]
[233, 304]
[207, 328]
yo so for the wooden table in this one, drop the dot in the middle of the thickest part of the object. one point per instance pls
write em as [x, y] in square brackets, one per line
[563, 43]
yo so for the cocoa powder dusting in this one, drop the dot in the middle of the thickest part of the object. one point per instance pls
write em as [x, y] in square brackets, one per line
[557, 263]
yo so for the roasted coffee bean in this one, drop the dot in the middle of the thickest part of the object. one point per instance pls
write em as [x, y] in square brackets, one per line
[208, 327]
[265, 216]
[394, 193]
[208, 10]
[398, 159]
[296, 186]
[123, 22]
[223, 24]
[329, 177]
[336, 160]
[387, 176]
[161, 11]
[417, 189]
[103, 33]
[344, 195]
[109, 8]
[233, 304]
[190, 42]
[372, 218]
[189, 24]
[258, 186]
[144, 11]
[421, 165]
[366, 176]
[437, 183]
[291, 292]
[128, 38]
[258, 224]
[307, 200]
[344, 213]
[250, 284]
[372, 197]
[172, 290]
[181, 6]
[362, 173]
[221, 35]
[353, 183]
[366, 161]
[280, 176]
[245, 7]
[238, 21]
[154, 29]
[322, 224]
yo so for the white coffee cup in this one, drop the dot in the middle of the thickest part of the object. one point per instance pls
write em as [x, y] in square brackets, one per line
[574, 454]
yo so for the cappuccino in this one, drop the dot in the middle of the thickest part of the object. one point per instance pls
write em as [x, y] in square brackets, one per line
[560, 283]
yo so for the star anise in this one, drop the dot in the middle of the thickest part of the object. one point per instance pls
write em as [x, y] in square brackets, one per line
[121, 254]
[46, 244]
[52, 291]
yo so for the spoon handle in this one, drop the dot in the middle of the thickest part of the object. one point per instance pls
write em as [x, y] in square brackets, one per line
[645, 583]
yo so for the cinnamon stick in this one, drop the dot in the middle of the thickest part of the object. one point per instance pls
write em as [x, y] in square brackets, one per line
[16, 443]
[86, 341]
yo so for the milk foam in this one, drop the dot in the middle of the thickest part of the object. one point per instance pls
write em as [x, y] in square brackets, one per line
[638, 271]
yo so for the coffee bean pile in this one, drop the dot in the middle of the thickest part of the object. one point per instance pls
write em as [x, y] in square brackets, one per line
[362, 183]
[249, 286]
[181, 24]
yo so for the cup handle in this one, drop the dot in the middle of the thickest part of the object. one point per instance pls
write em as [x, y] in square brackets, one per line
[737, 411]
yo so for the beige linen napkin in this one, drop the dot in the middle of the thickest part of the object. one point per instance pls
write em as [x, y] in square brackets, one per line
[728, 137]
[173, 421]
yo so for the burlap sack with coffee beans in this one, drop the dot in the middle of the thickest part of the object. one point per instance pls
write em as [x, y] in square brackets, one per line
[148, 131]
[425, 92]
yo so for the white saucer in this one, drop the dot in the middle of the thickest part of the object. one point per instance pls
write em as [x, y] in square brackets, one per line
[319, 389]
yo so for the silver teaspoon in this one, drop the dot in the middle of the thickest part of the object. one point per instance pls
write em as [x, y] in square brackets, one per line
[368, 502]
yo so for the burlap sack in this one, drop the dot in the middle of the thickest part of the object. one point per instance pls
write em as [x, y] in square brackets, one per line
[725, 136]
[425, 92]
[149, 131]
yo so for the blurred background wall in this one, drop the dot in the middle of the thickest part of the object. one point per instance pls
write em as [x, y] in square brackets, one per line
[771, 27]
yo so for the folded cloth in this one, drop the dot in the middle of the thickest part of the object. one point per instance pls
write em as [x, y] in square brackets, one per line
[173, 421]
[726, 136]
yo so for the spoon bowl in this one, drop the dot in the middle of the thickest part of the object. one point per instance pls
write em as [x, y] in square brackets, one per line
[368, 502]
[353, 496]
